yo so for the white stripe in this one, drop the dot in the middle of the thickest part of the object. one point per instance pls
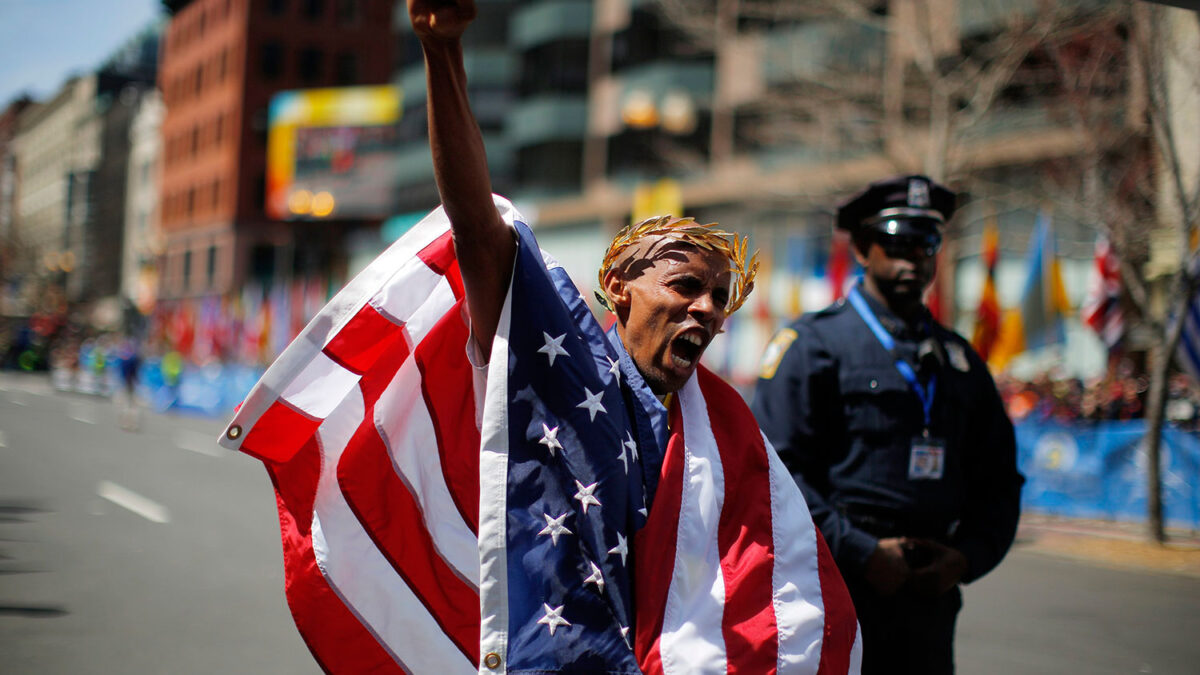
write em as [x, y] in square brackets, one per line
[692, 639]
[408, 291]
[421, 321]
[796, 579]
[358, 571]
[856, 653]
[320, 386]
[132, 501]
[407, 430]
[493, 500]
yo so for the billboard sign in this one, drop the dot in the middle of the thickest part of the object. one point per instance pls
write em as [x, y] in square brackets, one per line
[331, 153]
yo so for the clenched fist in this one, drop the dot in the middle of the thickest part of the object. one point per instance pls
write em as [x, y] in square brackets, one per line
[440, 20]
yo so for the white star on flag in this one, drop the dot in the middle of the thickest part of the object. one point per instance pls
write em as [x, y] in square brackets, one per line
[592, 402]
[585, 495]
[553, 617]
[614, 369]
[629, 443]
[622, 547]
[554, 347]
[554, 527]
[550, 439]
[624, 459]
[596, 578]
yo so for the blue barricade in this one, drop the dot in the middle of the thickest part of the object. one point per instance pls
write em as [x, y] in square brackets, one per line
[1099, 471]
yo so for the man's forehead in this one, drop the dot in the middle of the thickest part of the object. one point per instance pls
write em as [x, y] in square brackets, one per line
[665, 249]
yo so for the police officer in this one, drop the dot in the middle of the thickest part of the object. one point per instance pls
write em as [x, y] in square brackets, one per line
[893, 429]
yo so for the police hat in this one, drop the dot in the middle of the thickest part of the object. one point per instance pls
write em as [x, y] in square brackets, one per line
[901, 205]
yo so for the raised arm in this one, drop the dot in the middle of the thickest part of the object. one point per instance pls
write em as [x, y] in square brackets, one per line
[483, 242]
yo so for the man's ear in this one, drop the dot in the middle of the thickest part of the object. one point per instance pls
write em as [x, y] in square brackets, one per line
[617, 290]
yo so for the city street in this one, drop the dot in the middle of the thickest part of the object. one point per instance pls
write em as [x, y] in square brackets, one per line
[158, 552]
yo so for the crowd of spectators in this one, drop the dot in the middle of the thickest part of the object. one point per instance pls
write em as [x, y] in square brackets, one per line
[1119, 396]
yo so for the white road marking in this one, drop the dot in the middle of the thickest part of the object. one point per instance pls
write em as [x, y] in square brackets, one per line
[128, 499]
[3, 442]
[198, 442]
[83, 413]
[17, 401]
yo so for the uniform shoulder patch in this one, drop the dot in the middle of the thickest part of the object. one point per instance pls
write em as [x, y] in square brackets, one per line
[775, 351]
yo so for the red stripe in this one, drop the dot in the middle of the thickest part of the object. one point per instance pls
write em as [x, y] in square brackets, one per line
[279, 433]
[439, 257]
[654, 545]
[363, 339]
[337, 639]
[391, 516]
[447, 386]
[841, 622]
[744, 540]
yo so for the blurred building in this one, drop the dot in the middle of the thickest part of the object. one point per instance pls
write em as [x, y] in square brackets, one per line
[12, 254]
[223, 61]
[764, 115]
[142, 241]
[71, 154]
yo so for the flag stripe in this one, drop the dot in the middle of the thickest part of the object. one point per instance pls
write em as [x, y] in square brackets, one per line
[279, 433]
[360, 574]
[839, 634]
[384, 503]
[363, 339]
[439, 256]
[337, 639]
[799, 612]
[447, 388]
[747, 553]
[693, 637]
[655, 545]
[385, 506]
[408, 432]
[317, 389]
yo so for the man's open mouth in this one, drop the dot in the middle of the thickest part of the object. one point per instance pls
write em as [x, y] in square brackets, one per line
[686, 349]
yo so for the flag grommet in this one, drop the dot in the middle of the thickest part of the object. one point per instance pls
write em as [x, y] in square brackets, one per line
[492, 660]
[234, 432]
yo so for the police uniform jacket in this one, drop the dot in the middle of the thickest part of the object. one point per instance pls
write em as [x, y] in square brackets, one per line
[843, 419]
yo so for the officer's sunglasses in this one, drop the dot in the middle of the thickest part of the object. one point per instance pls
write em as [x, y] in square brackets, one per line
[905, 245]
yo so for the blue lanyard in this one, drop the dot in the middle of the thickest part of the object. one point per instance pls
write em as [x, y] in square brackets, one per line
[925, 394]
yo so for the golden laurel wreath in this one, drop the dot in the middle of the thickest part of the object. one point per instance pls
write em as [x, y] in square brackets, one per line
[706, 237]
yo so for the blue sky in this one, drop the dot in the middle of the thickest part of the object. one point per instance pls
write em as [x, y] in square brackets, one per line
[44, 41]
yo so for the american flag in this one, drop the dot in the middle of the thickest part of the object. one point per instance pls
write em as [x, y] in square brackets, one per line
[1102, 309]
[546, 514]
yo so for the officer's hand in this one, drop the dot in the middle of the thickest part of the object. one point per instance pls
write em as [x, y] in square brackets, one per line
[944, 570]
[440, 20]
[886, 569]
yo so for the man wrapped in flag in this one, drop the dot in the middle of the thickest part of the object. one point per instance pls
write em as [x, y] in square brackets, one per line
[472, 476]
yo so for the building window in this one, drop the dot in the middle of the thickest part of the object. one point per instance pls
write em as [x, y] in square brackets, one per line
[191, 201]
[272, 60]
[187, 269]
[219, 131]
[211, 266]
[199, 79]
[195, 140]
[311, 60]
[346, 69]
[216, 193]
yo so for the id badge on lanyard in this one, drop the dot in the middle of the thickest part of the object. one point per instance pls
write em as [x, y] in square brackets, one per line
[927, 455]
